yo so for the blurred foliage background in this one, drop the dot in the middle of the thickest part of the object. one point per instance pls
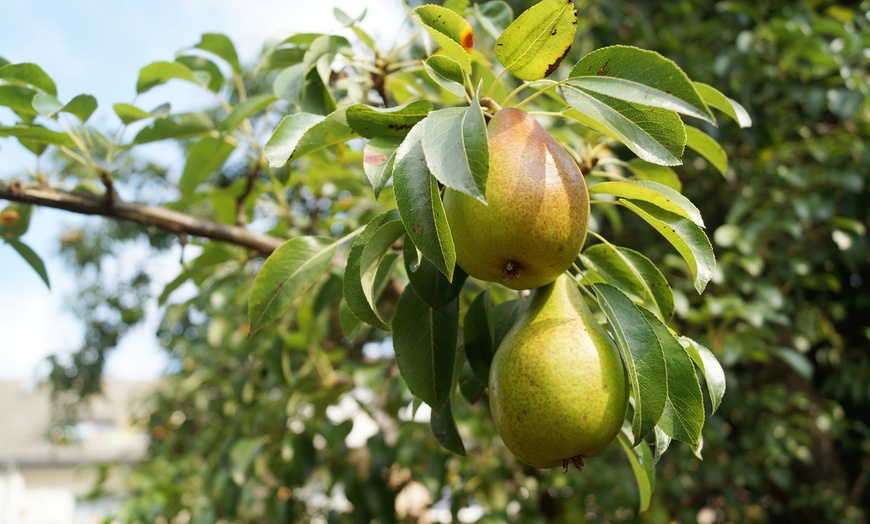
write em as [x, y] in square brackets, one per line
[255, 430]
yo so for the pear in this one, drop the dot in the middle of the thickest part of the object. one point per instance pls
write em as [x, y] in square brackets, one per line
[536, 214]
[558, 389]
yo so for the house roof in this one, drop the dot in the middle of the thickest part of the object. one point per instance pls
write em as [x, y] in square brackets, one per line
[105, 426]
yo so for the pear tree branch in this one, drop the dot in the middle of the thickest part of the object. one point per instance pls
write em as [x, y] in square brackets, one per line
[166, 219]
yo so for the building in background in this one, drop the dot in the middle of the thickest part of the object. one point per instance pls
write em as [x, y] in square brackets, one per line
[45, 483]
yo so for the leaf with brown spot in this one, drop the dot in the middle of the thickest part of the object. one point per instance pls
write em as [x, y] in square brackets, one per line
[533, 46]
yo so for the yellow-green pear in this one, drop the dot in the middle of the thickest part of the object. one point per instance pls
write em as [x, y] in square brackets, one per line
[536, 214]
[558, 389]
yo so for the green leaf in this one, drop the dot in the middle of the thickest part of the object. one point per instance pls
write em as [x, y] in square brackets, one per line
[688, 239]
[713, 373]
[242, 456]
[81, 106]
[450, 31]
[655, 135]
[444, 428]
[302, 133]
[290, 84]
[379, 155]
[18, 98]
[207, 72]
[683, 415]
[245, 109]
[494, 16]
[641, 77]
[286, 136]
[456, 149]
[430, 284]
[177, 126]
[46, 105]
[477, 337]
[32, 259]
[288, 272]
[707, 147]
[633, 274]
[654, 193]
[353, 289]
[643, 170]
[38, 134]
[420, 204]
[221, 46]
[373, 122]
[533, 46]
[643, 356]
[721, 102]
[321, 53]
[28, 74]
[425, 344]
[158, 73]
[663, 442]
[447, 73]
[204, 158]
[374, 250]
[129, 113]
[642, 465]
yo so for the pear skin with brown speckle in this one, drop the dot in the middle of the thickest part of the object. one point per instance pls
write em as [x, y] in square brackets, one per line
[558, 389]
[536, 215]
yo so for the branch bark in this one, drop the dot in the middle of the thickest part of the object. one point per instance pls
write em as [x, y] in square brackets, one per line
[82, 203]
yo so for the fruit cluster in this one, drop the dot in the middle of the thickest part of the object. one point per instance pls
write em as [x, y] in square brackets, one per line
[558, 389]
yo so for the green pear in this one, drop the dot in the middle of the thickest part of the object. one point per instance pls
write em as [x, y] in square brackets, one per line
[536, 214]
[558, 389]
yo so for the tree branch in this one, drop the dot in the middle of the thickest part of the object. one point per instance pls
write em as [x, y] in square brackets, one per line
[159, 217]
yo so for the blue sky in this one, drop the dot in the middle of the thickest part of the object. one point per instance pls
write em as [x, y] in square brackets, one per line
[97, 47]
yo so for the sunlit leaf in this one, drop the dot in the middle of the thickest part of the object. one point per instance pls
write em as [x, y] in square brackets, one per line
[633, 274]
[533, 46]
[30, 75]
[707, 147]
[456, 148]
[157, 73]
[373, 122]
[721, 102]
[221, 46]
[447, 73]
[449, 30]
[654, 193]
[710, 368]
[81, 106]
[654, 134]
[177, 126]
[639, 76]
[688, 239]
